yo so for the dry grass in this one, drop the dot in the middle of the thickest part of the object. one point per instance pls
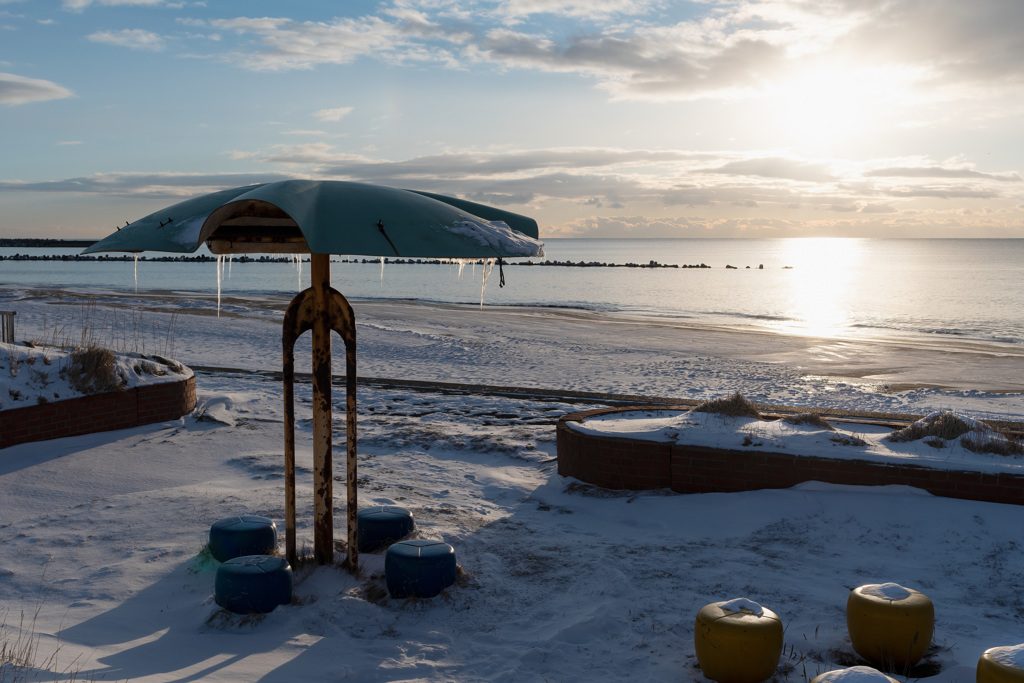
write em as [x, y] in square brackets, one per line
[83, 323]
[730, 406]
[848, 440]
[20, 655]
[91, 370]
[974, 435]
[994, 443]
[945, 426]
[808, 419]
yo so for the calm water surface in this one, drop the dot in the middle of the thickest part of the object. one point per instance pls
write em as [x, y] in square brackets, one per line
[970, 289]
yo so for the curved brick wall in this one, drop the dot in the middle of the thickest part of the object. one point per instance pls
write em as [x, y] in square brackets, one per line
[623, 463]
[99, 413]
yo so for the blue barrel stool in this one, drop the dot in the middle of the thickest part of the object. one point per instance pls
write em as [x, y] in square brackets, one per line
[419, 568]
[245, 535]
[381, 525]
[253, 583]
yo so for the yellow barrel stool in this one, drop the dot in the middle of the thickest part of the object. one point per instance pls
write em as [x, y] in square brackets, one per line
[890, 625]
[737, 641]
[1001, 665]
[855, 674]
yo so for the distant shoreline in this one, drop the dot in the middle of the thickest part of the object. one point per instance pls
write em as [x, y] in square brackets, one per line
[44, 243]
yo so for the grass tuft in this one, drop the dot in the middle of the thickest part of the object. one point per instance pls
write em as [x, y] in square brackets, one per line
[813, 419]
[976, 436]
[730, 406]
[945, 426]
[92, 370]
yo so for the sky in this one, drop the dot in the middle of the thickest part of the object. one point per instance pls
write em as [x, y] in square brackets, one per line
[599, 118]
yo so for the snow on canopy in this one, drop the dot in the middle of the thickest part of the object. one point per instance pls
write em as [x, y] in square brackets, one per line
[499, 236]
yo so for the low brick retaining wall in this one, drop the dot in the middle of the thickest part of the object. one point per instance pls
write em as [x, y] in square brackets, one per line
[622, 463]
[98, 413]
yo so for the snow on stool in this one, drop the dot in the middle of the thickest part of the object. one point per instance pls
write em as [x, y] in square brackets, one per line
[1001, 665]
[855, 674]
[245, 535]
[253, 583]
[889, 625]
[419, 568]
[737, 641]
[381, 525]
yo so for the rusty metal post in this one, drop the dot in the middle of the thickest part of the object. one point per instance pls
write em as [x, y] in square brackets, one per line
[350, 433]
[289, 440]
[323, 471]
[304, 313]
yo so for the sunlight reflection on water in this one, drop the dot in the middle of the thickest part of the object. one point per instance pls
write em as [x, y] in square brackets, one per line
[823, 273]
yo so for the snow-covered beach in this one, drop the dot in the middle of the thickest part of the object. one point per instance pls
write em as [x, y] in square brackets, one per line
[103, 533]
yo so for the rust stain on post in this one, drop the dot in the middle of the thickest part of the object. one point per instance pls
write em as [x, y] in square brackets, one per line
[350, 433]
[323, 480]
[288, 337]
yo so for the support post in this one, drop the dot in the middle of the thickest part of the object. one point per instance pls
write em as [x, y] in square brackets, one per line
[323, 471]
[307, 310]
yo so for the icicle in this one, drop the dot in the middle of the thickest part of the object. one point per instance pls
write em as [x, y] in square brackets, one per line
[382, 260]
[136, 272]
[488, 267]
[220, 261]
[220, 267]
[231, 259]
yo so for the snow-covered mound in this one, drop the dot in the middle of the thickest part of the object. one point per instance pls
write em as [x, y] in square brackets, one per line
[33, 374]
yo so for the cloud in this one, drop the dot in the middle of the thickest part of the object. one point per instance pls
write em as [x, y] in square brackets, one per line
[335, 114]
[957, 42]
[878, 208]
[517, 10]
[79, 5]
[561, 186]
[324, 159]
[675, 227]
[500, 199]
[938, 172]
[943, 193]
[135, 39]
[774, 167]
[654, 51]
[461, 164]
[643, 64]
[152, 185]
[21, 90]
[283, 44]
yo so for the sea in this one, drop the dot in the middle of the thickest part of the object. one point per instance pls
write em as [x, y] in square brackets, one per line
[933, 289]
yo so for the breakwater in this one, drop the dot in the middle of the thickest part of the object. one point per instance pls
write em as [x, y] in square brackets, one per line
[204, 258]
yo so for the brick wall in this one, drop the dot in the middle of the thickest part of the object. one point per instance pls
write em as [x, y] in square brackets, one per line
[99, 413]
[623, 463]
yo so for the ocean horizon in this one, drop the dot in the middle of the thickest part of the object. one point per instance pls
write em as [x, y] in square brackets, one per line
[935, 289]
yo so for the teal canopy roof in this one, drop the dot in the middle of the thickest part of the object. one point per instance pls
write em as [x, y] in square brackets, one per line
[330, 217]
